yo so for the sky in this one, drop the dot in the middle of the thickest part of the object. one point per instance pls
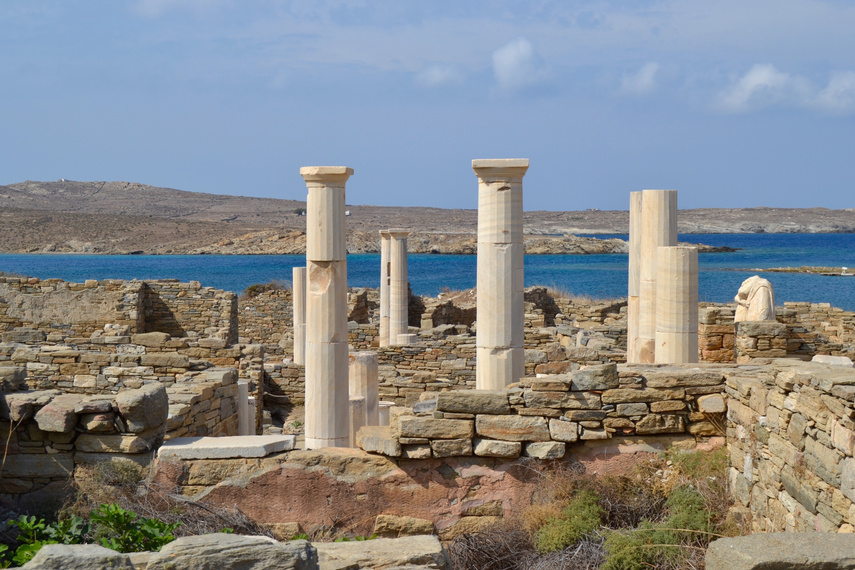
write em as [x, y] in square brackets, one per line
[734, 103]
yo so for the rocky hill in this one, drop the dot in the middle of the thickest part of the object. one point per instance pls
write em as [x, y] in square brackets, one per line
[125, 217]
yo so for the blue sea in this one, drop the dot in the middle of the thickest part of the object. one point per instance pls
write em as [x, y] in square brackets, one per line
[599, 276]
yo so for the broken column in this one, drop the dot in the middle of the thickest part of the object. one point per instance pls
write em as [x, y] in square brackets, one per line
[357, 417]
[499, 341]
[364, 382]
[658, 228]
[399, 298]
[327, 398]
[298, 302]
[385, 276]
[677, 305]
[634, 277]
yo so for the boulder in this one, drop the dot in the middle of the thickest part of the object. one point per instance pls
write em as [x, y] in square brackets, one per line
[234, 552]
[144, 408]
[64, 556]
[783, 551]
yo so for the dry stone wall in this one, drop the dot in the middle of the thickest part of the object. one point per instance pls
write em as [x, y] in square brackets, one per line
[791, 437]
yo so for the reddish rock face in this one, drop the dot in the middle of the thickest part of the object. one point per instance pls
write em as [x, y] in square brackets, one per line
[348, 488]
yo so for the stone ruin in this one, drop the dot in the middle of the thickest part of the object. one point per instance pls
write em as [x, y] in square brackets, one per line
[109, 369]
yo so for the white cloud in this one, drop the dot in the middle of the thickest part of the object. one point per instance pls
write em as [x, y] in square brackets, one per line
[516, 65]
[642, 81]
[839, 95]
[438, 75]
[763, 86]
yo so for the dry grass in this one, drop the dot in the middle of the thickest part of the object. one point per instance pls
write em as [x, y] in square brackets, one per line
[561, 292]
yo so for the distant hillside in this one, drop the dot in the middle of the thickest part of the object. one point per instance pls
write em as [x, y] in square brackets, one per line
[126, 217]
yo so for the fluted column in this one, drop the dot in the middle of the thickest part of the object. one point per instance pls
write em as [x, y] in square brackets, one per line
[632, 313]
[364, 382]
[298, 304]
[399, 299]
[677, 305]
[385, 276]
[327, 399]
[499, 341]
[658, 228]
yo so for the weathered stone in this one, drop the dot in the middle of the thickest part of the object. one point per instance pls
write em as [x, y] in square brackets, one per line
[394, 526]
[422, 552]
[473, 402]
[451, 447]
[493, 448]
[97, 422]
[27, 465]
[712, 404]
[625, 395]
[667, 406]
[562, 400]
[544, 449]
[467, 525]
[561, 430]
[782, 551]
[553, 383]
[65, 556]
[411, 426]
[683, 378]
[58, 415]
[233, 552]
[137, 443]
[512, 428]
[489, 509]
[144, 408]
[150, 339]
[12, 378]
[416, 451]
[94, 407]
[165, 360]
[378, 439]
[633, 409]
[660, 423]
[238, 446]
[595, 377]
[224, 376]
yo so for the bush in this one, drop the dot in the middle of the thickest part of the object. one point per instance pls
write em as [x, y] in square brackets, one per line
[258, 288]
[578, 518]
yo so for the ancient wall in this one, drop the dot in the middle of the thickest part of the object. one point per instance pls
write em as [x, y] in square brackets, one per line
[791, 435]
[542, 416]
[190, 310]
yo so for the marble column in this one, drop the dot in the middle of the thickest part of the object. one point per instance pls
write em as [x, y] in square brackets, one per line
[658, 228]
[357, 417]
[327, 399]
[500, 354]
[364, 382]
[385, 276]
[632, 314]
[677, 305]
[298, 303]
[399, 298]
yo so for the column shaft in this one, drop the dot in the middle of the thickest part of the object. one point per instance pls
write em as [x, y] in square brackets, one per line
[385, 277]
[298, 303]
[327, 398]
[500, 354]
[364, 382]
[399, 299]
[632, 313]
[677, 305]
[658, 228]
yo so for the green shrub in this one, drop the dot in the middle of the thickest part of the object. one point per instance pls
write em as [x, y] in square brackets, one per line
[122, 530]
[580, 517]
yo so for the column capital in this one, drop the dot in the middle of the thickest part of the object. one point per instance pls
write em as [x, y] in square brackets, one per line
[500, 167]
[385, 234]
[326, 174]
[398, 233]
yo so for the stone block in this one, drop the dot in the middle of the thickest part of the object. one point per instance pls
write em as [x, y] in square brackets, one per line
[660, 423]
[561, 430]
[667, 406]
[785, 551]
[378, 439]
[512, 428]
[544, 449]
[411, 426]
[28, 466]
[416, 451]
[165, 360]
[58, 416]
[231, 551]
[144, 408]
[551, 383]
[138, 443]
[683, 378]
[633, 409]
[150, 339]
[241, 446]
[394, 526]
[225, 376]
[562, 400]
[626, 395]
[12, 378]
[62, 556]
[712, 404]
[596, 377]
[494, 448]
[473, 402]
[451, 447]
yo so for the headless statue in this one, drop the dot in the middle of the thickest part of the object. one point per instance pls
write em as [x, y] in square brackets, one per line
[755, 301]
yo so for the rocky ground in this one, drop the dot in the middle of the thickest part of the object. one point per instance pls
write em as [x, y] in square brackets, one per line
[124, 217]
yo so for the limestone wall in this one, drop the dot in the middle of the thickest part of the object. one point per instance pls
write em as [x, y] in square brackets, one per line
[543, 417]
[188, 309]
[791, 435]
